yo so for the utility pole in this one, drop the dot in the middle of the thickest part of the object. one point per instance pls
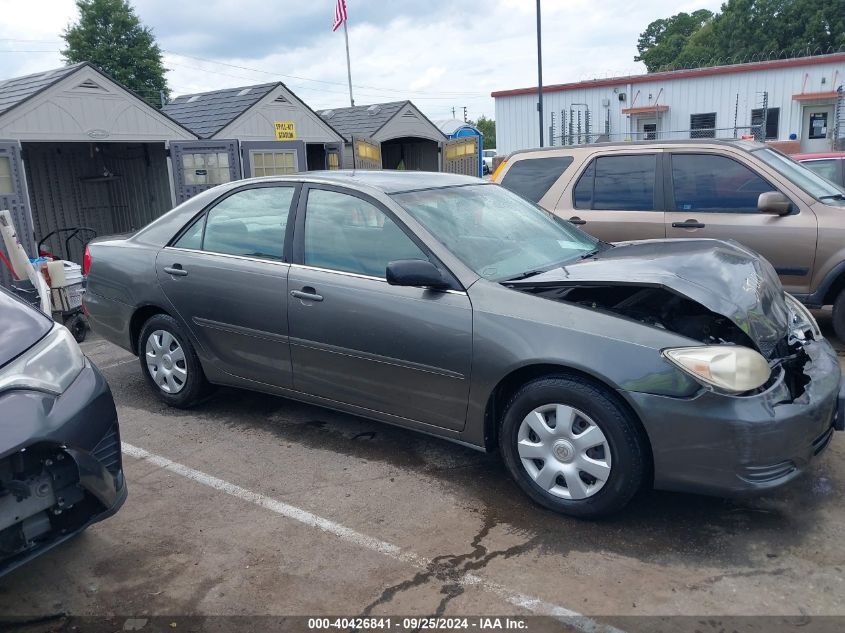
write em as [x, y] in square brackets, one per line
[163, 98]
[465, 114]
[453, 112]
[539, 74]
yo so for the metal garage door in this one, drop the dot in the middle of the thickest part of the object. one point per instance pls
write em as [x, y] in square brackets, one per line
[367, 152]
[273, 158]
[460, 156]
[15, 197]
[200, 165]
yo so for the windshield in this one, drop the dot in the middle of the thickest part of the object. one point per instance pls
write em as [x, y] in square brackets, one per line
[495, 232]
[817, 186]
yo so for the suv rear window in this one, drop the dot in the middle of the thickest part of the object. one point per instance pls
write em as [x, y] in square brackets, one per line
[533, 177]
[618, 183]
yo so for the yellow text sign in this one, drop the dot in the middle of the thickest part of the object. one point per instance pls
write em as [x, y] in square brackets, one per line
[285, 130]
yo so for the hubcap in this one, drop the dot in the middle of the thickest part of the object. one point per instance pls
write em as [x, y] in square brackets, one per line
[166, 361]
[564, 451]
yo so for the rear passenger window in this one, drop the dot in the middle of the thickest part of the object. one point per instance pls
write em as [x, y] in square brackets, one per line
[708, 182]
[346, 233]
[250, 223]
[619, 183]
[532, 178]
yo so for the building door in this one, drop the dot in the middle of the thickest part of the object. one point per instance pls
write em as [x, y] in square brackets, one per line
[817, 128]
[201, 165]
[15, 197]
[366, 153]
[646, 129]
[273, 158]
[461, 156]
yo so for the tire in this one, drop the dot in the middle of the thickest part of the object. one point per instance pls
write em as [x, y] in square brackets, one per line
[586, 405]
[839, 316]
[179, 381]
[78, 326]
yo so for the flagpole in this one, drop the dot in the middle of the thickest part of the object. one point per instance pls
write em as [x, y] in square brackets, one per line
[348, 65]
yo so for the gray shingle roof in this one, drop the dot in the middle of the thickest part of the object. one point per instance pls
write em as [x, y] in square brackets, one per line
[207, 113]
[364, 120]
[18, 89]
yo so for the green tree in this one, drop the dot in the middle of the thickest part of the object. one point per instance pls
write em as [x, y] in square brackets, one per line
[664, 40]
[745, 30]
[109, 35]
[488, 128]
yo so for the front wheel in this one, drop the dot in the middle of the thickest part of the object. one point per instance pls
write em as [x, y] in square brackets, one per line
[572, 447]
[169, 362]
[839, 316]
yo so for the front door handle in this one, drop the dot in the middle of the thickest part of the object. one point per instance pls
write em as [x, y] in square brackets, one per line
[576, 220]
[306, 294]
[688, 224]
[176, 270]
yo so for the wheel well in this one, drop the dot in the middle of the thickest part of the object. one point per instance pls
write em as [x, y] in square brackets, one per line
[513, 381]
[137, 322]
[834, 289]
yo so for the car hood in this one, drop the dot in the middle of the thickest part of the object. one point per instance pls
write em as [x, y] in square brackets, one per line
[21, 327]
[723, 276]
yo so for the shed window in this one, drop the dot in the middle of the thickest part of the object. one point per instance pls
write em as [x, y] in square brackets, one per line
[772, 121]
[703, 125]
[333, 160]
[211, 168]
[273, 163]
[6, 175]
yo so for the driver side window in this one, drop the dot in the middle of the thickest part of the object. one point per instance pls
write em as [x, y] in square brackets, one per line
[349, 234]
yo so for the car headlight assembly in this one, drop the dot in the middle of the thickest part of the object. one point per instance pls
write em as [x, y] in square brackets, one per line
[50, 365]
[802, 318]
[728, 368]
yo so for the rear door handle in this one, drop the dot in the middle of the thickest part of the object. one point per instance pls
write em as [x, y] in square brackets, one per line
[306, 294]
[176, 270]
[688, 224]
[576, 220]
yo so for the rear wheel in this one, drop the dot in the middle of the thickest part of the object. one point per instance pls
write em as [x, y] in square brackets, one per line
[571, 447]
[839, 316]
[169, 362]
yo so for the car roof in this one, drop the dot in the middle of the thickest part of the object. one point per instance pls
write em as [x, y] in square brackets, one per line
[814, 155]
[389, 181]
[746, 145]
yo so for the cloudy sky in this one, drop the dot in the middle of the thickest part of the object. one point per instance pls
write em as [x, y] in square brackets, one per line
[440, 54]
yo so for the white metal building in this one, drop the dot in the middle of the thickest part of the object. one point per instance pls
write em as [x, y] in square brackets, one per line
[798, 102]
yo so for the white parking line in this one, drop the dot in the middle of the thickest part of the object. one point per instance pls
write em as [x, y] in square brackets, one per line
[118, 363]
[530, 603]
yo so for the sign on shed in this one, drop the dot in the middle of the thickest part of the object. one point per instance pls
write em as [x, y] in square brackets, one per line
[285, 130]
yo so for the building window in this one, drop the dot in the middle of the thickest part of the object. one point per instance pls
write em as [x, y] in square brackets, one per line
[772, 121]
[333, 160]
[703, 125]
[6, 185]
[273, 163]
[208, 168]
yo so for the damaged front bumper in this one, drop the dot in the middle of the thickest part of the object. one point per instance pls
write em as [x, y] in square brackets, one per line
[718, 444]
[60, 466]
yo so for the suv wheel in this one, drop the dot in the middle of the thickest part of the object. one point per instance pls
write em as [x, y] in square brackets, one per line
[839, 316]
[169, 362]
[571, 447]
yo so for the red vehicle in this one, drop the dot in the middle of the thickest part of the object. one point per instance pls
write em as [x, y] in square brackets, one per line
[830, 165]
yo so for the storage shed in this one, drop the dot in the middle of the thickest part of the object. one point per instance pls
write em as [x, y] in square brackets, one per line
[457, 129]
[260, 130]
[392, 135]
[79, 149]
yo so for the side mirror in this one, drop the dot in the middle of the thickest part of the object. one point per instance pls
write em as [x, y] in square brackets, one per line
[419, 273]
[773, 202]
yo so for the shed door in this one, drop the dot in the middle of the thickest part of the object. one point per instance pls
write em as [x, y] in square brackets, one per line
[460, 156]
[367, 152]
[201, 165]
[15, 197]
[273, 158]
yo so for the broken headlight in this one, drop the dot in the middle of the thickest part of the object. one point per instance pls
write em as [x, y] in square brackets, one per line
[802, 318]
[730, 368]
[50, 365]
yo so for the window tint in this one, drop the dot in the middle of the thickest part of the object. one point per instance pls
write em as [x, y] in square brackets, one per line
[532, 178]
[702, 125]
[620, 183]
[707, 182]
[250, 223]
[772, 118]
[346, 233]
[826, 168]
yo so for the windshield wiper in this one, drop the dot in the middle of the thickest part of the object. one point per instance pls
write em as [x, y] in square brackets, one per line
[835, 196]
[525, 275]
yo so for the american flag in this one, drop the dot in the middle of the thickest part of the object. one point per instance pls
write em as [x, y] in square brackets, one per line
[339, 14]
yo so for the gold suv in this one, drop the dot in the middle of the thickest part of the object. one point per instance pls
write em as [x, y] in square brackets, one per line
[737, 190]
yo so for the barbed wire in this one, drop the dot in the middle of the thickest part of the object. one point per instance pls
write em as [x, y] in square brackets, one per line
[762, 56]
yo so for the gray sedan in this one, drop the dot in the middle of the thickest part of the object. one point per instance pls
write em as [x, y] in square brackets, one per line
[456, 308]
